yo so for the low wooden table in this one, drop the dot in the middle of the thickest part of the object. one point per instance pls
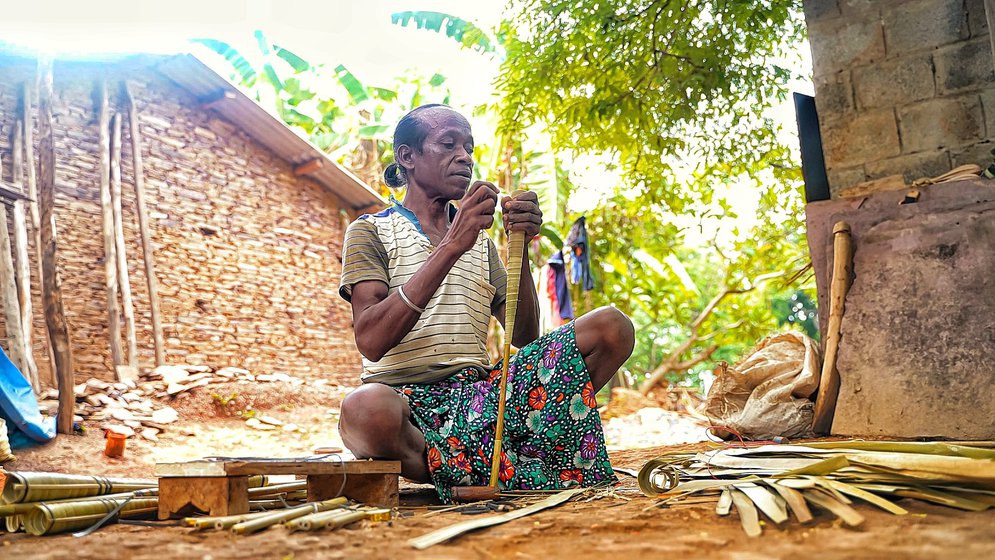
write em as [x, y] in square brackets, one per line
[220, 487]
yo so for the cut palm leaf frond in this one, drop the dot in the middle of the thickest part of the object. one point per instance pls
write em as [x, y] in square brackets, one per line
[724, 505]
[866, 496]
[747, 513]
[795, 501]
[826, 501]
[765, 500]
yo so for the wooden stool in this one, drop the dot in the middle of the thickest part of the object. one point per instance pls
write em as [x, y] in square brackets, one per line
[221, 487]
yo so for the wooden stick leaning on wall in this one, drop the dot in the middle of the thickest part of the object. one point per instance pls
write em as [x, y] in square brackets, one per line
[143, 227]
[55, 318]
[8, 290]
[29, 160]
[107, 227]
[22, 270]
[829, 382]
[122, 258]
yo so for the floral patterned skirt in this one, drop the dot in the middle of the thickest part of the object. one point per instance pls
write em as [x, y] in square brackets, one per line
[552, 433]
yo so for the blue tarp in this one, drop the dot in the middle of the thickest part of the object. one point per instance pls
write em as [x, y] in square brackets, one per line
[19, 408]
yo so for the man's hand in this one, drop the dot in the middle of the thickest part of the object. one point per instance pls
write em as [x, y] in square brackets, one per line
[522, 214]
[476, 213]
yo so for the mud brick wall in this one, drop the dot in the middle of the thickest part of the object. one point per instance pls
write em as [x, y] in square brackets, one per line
[902, 87]
[247, 254]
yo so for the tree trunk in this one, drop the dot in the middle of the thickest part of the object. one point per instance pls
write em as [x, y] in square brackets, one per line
[143, 227]
[55, 318]
[122, 259]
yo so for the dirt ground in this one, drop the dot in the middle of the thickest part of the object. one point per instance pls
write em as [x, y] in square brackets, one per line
[619, 524]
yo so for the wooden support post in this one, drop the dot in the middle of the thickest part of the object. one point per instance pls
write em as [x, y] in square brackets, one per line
[8, 289]
[55, 318]
[122, 258]
[22, 271]
[180, 497]
[143, 227]
[29, 160]
[107, 226]
[371, 489]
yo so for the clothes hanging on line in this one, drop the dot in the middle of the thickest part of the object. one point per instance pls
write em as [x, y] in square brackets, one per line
[580, 255]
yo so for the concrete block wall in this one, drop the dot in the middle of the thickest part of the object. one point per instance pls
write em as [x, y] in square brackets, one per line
[247, 254]
[902, 86]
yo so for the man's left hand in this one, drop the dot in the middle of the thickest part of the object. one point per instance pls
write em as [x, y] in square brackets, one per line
[522, 213]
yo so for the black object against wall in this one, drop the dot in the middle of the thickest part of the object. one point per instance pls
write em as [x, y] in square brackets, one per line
[813, 162]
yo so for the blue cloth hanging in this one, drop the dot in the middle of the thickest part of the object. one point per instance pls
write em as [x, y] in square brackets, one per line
[563, 302]
[580, 255]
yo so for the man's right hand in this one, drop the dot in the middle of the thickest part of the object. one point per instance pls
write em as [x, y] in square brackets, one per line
[476, 213]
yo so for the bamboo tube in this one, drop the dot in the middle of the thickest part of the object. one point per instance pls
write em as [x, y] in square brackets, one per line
[107, 226]
[143, 227]
[14, 523]
[263, 522]
[516, 250]
[278, 488]
[257, 480]
[24, 507]
[22, 271]
[42, 486]
[122, 259]
[29, 160]
[55, 317]
[220, 521]
[48, 519]
[325, 520]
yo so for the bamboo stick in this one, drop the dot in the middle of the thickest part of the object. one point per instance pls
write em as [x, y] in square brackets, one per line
[263, 522]
[29, 160]
[325, 520]
[55, 318]
[143, 227]
[278, 488]
[122, 258]
[221, 521]
[22, 271]
[24, 507]
[107, 226]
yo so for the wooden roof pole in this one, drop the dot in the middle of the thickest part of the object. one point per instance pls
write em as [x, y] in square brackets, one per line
[143, 227]
[22, 271]
[107, 227]
[8, 289]
[55, 317]
[122, 258]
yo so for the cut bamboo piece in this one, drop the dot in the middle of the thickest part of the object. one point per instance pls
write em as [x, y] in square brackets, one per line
[278, 489]
[143, 227]
[266, 521]
[22, 271]
[55, 318]
[50, 519]
[325, 520]
[24, 507]
[107, 227]
[42, 486]
[119, 247]
[446, 533]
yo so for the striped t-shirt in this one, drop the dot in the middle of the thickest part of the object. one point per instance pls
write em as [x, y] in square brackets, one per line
[451, 335]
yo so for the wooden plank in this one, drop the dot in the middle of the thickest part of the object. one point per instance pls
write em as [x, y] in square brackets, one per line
[107, 227]
[370, 489]
[889, 183]
[232, 468]
[10, 194]
[22, 267]
[127, 304]
[55, 318]
[143, 227]
[181, 497]
[215, 99]
[29, 160]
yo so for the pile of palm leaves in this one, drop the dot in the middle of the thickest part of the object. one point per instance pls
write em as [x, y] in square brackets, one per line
[781, 479]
